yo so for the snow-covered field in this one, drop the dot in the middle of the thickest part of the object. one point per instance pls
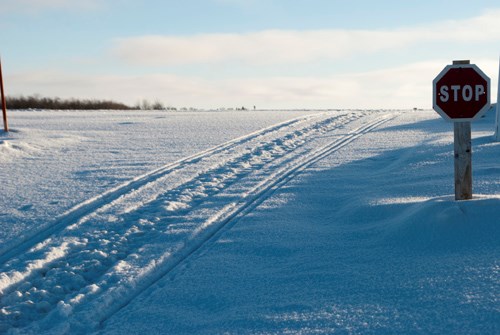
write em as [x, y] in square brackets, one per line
[248, 222]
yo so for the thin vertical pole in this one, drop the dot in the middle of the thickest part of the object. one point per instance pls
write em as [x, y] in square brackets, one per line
[463, 156]
[4, 104]
[497, 122]
[463, 161]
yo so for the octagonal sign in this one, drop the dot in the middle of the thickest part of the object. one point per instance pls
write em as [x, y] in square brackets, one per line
[461, 92]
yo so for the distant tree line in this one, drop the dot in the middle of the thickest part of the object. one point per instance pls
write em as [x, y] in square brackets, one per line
[37, 102]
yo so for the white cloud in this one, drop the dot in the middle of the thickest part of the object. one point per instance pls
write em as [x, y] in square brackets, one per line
[406, 86]
[266, 47]
[287, 46]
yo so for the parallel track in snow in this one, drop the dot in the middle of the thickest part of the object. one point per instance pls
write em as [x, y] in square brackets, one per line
[107, 251]
[27, 241]
[232, 211]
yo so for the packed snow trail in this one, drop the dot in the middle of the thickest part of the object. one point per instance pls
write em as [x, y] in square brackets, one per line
[15, 247]
[103, 253]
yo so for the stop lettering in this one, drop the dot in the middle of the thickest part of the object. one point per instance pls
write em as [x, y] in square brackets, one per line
[461, 92]
[458, 92]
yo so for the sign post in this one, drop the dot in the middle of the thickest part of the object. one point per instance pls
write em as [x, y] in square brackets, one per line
[4, 104]
[497, 122]
[463, 160]
[461, 95]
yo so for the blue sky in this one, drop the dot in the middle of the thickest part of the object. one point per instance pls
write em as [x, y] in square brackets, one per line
[229, 53]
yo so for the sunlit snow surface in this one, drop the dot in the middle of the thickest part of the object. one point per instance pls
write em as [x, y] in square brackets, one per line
[256, 222]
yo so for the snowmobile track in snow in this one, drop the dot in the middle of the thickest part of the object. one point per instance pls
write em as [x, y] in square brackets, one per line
[16, 247]
[103, 253]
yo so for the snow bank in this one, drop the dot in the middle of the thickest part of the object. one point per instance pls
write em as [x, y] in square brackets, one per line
[445, 224]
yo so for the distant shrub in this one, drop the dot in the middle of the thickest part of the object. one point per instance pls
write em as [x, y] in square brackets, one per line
[156, 105]
[37, 102]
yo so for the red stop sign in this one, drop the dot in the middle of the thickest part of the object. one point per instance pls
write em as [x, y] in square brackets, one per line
[461, 92]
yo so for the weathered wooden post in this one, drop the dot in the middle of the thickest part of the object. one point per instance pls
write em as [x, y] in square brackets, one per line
[461, 94]
[463, 160]
[4, 104]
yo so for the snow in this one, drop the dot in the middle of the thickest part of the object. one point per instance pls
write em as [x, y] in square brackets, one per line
[246, 222]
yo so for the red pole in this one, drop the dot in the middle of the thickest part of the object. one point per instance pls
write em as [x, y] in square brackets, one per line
[4, 104]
